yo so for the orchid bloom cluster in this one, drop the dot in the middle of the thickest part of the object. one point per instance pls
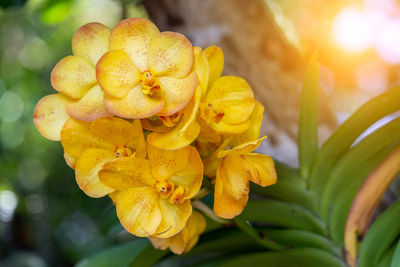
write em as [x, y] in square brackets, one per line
[142, 116]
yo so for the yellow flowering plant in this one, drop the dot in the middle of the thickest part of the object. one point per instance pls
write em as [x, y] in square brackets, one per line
[142, 115]
[150, 121]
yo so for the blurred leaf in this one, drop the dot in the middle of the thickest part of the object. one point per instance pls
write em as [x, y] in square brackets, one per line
[354, 158]
[380, 236]
[347, 192]
[253, 233]
[396, 255]
[282, 214]
[149, 256]
[12, 3]
[117, 256]
[299, 257]
[366, 201]
[56, 12]
[375, 109]
[308, 123]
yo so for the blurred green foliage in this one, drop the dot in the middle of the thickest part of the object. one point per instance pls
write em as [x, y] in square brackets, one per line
[45, 220]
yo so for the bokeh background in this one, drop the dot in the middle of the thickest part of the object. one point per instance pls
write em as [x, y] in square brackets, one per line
[45, 220]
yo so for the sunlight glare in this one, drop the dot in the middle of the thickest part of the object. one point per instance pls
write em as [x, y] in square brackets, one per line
[352, 30]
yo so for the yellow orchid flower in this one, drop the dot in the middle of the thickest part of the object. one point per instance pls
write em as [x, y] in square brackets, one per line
[235, 168]
[228, 101]
[75, 76]
[146, 72]
[185, 240]
[154, 193]
[253, 132]
[50, 115]
[88, 146]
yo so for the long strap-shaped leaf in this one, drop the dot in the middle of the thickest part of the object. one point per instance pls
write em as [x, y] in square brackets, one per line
[299, 257]
[354, 158]
[308, 123]
[348, 132]
[366, 201]
[118, 256]
[282, 214]
[347, 193]
[380, 236]
[300, 238]
[288, 192]
[396, 256]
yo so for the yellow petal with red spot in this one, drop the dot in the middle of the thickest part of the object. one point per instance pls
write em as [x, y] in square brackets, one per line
[207, 134]
[261, 169]
[76, 138]
[233, 97]
[134, 36]
[135, 105]
[215, 59]
[255, 125]
[229, 129]
[184, 241]
[196, 225]
[170, 54]
[233, 170]
[123, 173]
[226, 205]
[242, 149]
[173, 219]
[116, 73]
[200, 66]
[190, 177]
[182, 134]
[116, 131]
[87, 171]
[177, 93]
[73, 76]
[165, 163]
[89, 107]
[91, 41]
[50, 116]
[138, 210]
[210, 163]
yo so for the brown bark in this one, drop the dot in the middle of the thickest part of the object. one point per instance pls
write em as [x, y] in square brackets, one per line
[254, 49]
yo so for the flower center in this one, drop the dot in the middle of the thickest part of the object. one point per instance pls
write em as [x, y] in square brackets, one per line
[167, 190]
[150, 84]
[171, 121]
[209, 114]
[123, 152]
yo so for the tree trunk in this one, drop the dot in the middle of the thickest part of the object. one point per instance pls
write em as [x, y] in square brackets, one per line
[255, 49]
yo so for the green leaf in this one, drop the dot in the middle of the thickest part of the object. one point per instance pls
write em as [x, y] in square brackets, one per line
[288, 192]
[299, 257]
[380, 236]
[386, 258]
[253, 233]
[348, 132]
[347, 193]
[282, 214]
[354, 158]
[301, 238]
[308, 123]
[289, 174]
[118, 256]
[149, 256]
[395, 262]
